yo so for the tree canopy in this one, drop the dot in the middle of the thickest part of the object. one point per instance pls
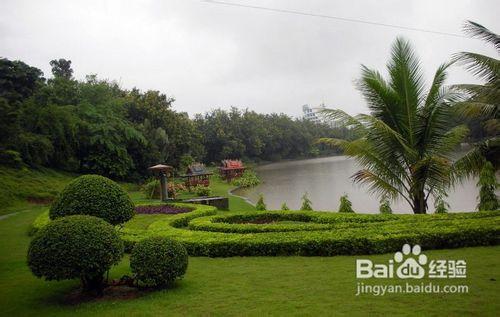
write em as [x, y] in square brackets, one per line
[95, 126]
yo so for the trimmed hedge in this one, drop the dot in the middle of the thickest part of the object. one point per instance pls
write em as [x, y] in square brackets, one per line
[350, 234]
[158, 261]
[75, 247]
[207, 232]
[94, 195]
[275, 221]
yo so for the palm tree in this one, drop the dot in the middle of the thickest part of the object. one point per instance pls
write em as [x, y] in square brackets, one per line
[482, 100]
[405, 144]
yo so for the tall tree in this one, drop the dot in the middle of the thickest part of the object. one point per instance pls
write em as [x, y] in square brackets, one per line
[405, 143]
[61, 68]
[482, 100]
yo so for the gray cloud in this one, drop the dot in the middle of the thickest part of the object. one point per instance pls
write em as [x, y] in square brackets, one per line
[210, 55]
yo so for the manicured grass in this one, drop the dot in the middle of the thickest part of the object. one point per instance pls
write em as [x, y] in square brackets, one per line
[254, 286]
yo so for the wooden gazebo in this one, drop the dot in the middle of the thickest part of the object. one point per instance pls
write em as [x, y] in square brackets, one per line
[197, 174]
[231, 169]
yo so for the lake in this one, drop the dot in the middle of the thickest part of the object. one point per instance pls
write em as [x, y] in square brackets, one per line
[326, 179]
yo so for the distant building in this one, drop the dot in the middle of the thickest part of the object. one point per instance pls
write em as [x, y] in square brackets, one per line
[312, 115]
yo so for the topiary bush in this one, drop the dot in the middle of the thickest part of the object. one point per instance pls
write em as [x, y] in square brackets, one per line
[440, 206]
[71, 247]
[306, 203]
[260, 205]
[158, 261]
[488, 185]
[345, 204]
[94, 195]
[385, 206]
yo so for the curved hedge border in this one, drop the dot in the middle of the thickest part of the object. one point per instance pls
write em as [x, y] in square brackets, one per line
[352, 234]
[309, 221]
[346, 233]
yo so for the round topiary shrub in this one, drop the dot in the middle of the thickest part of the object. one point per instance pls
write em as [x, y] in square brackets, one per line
[94, 195]
[75, 247]
[158, 261]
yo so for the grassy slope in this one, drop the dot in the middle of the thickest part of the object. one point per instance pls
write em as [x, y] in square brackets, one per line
[246, 286]
[18, 185]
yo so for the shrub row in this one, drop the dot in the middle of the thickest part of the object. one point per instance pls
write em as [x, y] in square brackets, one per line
[346, 233]
[377, 234]
[265, 221]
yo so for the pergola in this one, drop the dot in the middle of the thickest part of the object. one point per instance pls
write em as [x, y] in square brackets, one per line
[231, 169]
[197, 174]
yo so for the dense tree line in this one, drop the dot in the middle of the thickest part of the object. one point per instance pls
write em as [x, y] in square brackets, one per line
[95, 126]
[250, 135]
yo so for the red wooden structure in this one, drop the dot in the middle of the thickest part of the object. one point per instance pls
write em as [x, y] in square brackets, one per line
[231, 169]
[197, 174]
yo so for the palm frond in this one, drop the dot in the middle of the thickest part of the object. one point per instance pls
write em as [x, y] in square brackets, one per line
[434, 95]
[383, 134]
[331, 142]
[482, 66]
[447, 143]
[407, 81]
[378, 185]
[468, 165]
[343, 119]
[381, 99]
[471, 109]
[478, 31]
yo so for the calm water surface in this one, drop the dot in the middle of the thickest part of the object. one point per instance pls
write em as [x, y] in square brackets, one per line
[326, 179]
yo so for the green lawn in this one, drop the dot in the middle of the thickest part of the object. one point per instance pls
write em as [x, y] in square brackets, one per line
[246, 286]
[254, 286]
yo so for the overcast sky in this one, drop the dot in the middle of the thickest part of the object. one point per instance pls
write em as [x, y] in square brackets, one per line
[208, 55]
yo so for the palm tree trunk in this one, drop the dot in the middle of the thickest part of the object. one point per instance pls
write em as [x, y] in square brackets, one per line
[419, 202]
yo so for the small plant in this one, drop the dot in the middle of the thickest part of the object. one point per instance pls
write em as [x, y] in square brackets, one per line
[94, 195]
[71, 247]
[261, 205]
[184, 162]
[440, 206]
[306, 203]
[284, 206]
[158, 261]
[345, 204]
[248, 179]
[488, 184]
[385, 206]
[201, 190]
[151, 189]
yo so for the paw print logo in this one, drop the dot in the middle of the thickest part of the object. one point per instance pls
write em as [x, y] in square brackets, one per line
[412, 262]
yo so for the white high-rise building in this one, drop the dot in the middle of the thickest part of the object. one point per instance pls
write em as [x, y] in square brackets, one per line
[312, 115]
